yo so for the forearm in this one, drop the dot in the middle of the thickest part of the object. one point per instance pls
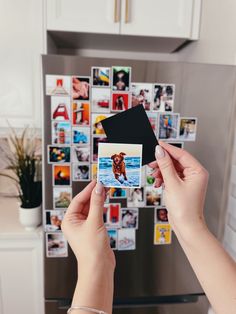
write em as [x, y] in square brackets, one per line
[94, 289]
[215, 269]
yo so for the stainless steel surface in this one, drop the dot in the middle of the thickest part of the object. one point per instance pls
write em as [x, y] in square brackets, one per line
[202, 91]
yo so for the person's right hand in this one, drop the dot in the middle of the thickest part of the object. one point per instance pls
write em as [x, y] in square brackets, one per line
[185, 184]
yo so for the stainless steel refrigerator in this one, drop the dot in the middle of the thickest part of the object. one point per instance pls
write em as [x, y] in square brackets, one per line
[153, 279]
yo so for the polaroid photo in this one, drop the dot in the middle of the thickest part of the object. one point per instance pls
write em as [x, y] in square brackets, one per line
[105, 214]
[59, 154]
[129, 218]
[58, 85]
[81, 135]
[121, 77]
[176, 144]
[163, 97]
[168, 126]
[153, 196]
[61, 132]
[126, 239]
[94, 170]
[119, 102]
[117, 193]
[81, 87]
[100, 76]
[81, 172]
[135, 197]
[149, 179]
[188, 129]
[113, 236]
[101, 98]
[162, 234]
[114, 215]
[160, 215]
[95, 142]
[142, 95]
[80, 153]
[62, 197]
[97, 128]
[61, 175]
[53, 220]
[80, 113]
[152, 117]
[56, 245]
[60, 108]
[119, 165]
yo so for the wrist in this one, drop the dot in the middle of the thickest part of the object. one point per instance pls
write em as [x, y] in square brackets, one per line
[95, 286]
[189, 229]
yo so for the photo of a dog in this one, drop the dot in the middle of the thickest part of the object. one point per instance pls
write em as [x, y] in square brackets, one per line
[119, 165]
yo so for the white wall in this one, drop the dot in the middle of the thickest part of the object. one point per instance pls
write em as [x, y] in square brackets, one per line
[217, 42]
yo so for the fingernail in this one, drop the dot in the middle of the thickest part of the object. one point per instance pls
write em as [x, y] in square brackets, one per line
[99, 188]
[160, 153]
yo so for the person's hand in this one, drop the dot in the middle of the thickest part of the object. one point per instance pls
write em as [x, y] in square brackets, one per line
[84, 228]
[185, 183]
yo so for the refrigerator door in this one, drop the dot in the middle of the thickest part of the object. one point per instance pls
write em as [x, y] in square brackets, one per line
[152, 271]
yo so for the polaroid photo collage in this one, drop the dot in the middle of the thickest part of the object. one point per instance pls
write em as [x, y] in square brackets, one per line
[78, 105]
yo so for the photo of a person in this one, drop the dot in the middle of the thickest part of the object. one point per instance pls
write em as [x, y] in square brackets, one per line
[135, 197]
[142, 95]
[80, 88]
[80, 113]
[121, 78]
[61, 175]
[53, 220]
[81, 172]
[161, 215]
[163, 99]
[188, 129]
[96, 122]
[129, 218]
[120, 102]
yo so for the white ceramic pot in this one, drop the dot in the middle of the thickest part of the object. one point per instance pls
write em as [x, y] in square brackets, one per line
[30, 218]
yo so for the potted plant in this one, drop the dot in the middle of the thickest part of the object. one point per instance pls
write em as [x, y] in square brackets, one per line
[23, 162]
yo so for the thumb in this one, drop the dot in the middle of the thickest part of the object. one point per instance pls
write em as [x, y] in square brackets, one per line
[166, 167]
[97, 204]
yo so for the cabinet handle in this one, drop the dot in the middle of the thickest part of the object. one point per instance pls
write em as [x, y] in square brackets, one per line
[126, 11]
[116, 12]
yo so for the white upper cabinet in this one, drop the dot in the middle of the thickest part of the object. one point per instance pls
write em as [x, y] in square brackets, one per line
[90, 16]
[22, 43]
[157, 18]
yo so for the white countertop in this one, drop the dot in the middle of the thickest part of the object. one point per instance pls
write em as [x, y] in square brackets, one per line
[10, 226]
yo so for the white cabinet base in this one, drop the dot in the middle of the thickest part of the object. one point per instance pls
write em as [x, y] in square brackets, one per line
[21, 274]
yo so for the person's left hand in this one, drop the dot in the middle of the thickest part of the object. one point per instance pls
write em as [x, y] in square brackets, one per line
[84, 228]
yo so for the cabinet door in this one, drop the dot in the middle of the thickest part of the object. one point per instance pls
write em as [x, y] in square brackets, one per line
[21, 276]
[159, 18]
[84, 16]
[21, 24]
